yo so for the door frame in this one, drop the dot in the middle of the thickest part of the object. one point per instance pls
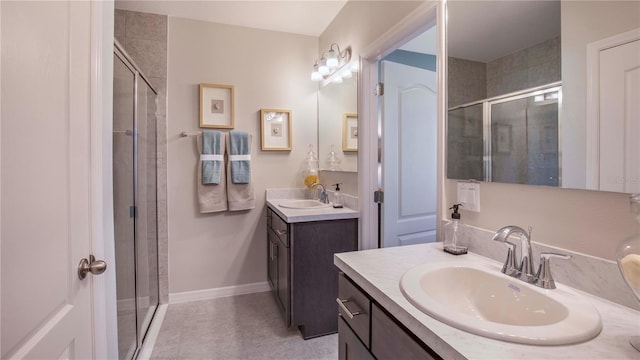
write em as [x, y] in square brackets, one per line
[593, 100]
[105, 331]
[413, 24]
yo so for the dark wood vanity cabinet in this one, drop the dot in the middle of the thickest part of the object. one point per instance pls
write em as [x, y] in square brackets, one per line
[367, 331]
[301, 273]
[278, 272]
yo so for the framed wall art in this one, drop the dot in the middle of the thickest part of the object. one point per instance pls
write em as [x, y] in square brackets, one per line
[275, 129]
[349, 132]
[216, 106]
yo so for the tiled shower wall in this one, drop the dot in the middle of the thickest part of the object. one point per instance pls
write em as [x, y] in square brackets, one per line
[144, 37]
[471, 81]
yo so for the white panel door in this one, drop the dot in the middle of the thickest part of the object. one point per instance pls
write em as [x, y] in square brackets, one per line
[620, 118]
[45, 192]
[409, 155]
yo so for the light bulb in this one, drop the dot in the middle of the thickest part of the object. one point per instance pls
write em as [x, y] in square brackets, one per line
[332, 59]
[323, 69]
[346, 74]
[315, 74]
[337, 80]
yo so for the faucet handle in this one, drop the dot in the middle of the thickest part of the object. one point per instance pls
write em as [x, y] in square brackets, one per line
[545, 280]
[509, 267]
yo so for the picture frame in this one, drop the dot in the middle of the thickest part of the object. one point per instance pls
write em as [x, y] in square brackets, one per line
[275, 129]
[216, 106]
[349, 132]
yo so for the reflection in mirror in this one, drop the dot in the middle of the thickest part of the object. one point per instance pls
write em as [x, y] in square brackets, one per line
[338, 125]
[486, 124]
[517, 45]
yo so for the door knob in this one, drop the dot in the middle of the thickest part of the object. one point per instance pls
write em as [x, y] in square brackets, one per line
[96, 267]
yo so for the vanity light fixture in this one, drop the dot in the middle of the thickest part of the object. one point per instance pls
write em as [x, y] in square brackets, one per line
[334, 64]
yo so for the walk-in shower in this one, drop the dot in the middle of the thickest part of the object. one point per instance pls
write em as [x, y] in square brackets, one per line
[134, 202]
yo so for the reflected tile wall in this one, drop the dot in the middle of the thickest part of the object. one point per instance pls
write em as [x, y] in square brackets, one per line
[144, 37]
[534, 66]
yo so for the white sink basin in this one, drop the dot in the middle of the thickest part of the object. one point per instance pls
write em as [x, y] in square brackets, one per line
[480, 299]
[303, 204]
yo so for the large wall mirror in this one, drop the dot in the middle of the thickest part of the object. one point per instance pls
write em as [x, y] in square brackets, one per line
[338, 125]
[545, 93]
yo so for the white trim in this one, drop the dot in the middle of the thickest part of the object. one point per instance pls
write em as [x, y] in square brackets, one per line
[211, 157]
[104, 308]
[417, 21]
[244, 157]
[152, 333]
[215, 293]
[593, 101]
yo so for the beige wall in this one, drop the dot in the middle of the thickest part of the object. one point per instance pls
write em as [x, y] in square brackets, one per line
[358, 24]
[590, 222]
[269, 70]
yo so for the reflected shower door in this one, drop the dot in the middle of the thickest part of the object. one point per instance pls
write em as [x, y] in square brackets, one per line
[524, 140]
[465, 143]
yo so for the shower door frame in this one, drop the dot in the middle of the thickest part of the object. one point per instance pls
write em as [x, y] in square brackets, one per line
[487, 155]
[121, 53]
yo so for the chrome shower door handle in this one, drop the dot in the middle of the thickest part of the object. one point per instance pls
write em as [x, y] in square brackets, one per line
[96, 267]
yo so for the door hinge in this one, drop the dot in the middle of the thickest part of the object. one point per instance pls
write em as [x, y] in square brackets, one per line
[378, 196]
[379, 89]
[133, 212]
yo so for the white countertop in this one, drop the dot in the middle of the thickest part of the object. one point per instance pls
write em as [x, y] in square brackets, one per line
[304, 215]
[379, 271]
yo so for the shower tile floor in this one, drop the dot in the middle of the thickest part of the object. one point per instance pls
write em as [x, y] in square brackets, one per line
[239, 327]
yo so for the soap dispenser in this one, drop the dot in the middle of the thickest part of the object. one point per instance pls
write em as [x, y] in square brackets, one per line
[455, 234]
[338, 201]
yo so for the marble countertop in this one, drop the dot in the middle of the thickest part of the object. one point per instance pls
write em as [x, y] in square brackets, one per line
[304, 215]
[378, 272]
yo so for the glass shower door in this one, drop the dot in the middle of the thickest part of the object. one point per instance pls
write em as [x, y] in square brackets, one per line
[123, 200]
[146, 201]
[135, 204]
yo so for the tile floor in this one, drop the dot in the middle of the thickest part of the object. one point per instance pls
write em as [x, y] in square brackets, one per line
[243, 327]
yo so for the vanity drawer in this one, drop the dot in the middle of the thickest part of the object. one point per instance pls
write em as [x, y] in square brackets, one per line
[280, 228]
[354, 307]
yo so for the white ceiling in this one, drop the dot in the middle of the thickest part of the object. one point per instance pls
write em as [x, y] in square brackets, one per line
[486, 30]
[425, 43]
[310, 17]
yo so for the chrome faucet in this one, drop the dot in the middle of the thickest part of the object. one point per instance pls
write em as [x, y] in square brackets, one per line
[523, 269]
[324, 197]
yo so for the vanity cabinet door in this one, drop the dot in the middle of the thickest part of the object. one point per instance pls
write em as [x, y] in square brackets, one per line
[284, 279]
[349, 346]
[278, 273]
[390, 341]
[272, 260]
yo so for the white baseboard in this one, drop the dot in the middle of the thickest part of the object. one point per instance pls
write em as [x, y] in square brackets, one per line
[187, 296]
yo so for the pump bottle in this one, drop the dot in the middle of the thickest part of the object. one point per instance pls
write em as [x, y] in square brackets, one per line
[338, 202]
[455, 234]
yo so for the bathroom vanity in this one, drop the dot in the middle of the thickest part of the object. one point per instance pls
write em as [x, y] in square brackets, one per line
[303, 279]
[375, 316]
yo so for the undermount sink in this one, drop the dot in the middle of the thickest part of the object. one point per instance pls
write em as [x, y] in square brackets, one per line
[478, 298]
[303, 204]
